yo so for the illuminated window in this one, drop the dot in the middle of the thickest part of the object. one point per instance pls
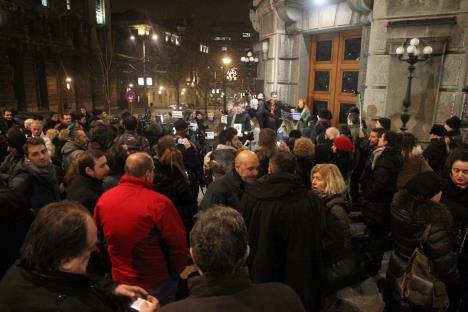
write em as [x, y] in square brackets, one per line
[204, 48]
[45, 3]
[68, 5]
[246, 35]
[100, 12]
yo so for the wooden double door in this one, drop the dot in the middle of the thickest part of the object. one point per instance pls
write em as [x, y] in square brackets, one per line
[334, 73]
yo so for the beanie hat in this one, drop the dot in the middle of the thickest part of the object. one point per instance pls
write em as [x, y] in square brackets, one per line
[180, 125]
[453, 122]
[16, 139]
[426, 184]
[343, 144]
[385, 123]
[325, 114]
[438, 130]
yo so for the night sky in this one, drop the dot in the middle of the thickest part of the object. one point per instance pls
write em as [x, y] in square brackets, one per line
[211, 11]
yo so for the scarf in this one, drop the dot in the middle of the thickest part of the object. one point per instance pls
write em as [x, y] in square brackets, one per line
[376, 155]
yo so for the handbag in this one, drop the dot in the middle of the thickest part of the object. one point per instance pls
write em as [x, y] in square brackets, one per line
[418, 286]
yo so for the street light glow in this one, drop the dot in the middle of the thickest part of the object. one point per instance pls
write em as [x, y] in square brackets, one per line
[154, 37]
[226, 60]
[132, 37]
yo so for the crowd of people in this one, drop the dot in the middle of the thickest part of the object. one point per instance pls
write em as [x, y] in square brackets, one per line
[100, 211]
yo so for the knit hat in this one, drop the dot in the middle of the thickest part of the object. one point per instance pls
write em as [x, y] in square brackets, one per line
[453, 122]
[426, 184]
[180, 125]
[16, 139]
[385, 123]
[438, 130]
[343, 144]
[325, 114]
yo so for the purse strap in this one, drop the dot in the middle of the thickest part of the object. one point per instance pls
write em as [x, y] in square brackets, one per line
[425, 236]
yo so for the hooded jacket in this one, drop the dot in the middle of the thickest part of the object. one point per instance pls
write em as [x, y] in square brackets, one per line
[409, 218]
[286, 225]
[70, 151]
[38, 186]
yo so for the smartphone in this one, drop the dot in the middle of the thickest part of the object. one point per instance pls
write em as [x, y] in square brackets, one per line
[136, 305]
[180, 141]
[278, 143]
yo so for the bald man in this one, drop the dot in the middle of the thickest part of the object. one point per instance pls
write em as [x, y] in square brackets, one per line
[143, 230]
[228, 190]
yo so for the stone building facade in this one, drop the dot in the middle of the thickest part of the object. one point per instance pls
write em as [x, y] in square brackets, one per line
[291, 32]
[49, 54]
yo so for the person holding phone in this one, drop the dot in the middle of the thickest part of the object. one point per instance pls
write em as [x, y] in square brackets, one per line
[50, 274]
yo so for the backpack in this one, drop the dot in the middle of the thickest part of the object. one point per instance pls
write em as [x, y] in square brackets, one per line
[418, 286]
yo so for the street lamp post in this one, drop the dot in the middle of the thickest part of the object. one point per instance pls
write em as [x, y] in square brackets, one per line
[412, 59]
[250, 60]
[143, 32]
[226, 61]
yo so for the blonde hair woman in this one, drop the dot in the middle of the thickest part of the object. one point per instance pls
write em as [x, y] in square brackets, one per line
[328, 183]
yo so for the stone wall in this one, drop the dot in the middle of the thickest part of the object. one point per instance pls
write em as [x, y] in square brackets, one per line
[286, 26]
[438, 83]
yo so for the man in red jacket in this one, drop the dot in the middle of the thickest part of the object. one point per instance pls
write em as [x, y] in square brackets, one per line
[143, 230]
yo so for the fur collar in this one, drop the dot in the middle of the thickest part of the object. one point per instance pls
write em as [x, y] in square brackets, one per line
[422, 210]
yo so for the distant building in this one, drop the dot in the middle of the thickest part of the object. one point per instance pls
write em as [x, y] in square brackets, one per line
[49, 54]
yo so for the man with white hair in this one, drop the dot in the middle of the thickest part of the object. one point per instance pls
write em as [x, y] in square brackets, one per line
[36, 126]
[256, 110]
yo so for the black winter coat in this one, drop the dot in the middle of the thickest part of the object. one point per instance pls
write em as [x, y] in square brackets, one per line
[14, 224]
[287, 225]
[456, 200]
[37, 187]
[306, 164]
[21, 290]
[436, 154]
[380, 182]
[227, 191]
[409, 218]
[343, 161]
[170, 182]
[85, 190]
[323, 152]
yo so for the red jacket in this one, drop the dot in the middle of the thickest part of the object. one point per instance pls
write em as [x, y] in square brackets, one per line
[135, 220]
